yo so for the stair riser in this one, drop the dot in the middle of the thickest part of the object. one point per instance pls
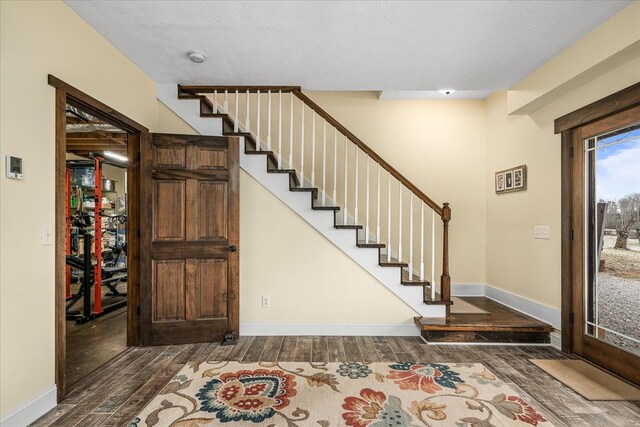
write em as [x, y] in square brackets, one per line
[487, 337]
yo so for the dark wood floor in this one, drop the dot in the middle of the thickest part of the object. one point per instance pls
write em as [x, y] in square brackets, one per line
[115, 393]
[92, 344]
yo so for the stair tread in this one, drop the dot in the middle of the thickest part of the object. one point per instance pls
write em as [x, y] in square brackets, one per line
[393, 262]
[363, 244]
[426, 298]
[326, 208]
[409, 279]
[349, 226]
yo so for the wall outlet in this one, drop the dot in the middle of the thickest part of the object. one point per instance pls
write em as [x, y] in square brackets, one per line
[46, 236]
[266, 302]
[541, 232]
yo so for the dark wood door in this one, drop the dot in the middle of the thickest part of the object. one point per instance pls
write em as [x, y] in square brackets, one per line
[599, 331]
[190, 227]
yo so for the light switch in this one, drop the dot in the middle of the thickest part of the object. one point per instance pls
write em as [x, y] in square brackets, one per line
[47, 235]
[541, 232]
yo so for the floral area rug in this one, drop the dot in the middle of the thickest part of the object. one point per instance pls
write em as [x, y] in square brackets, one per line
[337, 394]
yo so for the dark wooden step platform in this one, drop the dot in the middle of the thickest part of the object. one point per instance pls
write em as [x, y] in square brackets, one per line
[501, 325]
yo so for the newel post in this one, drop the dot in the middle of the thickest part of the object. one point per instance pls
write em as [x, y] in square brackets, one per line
[445, 279]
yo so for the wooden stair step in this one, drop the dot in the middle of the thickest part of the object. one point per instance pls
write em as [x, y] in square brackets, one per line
[215, 115]
[409, 279]
[292, 174]
[326, 208]
[362, 244]
[348, 226]
[500, 324]
[426, 298]
[391, 263]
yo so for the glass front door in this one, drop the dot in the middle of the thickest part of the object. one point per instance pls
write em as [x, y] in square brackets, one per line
[611, 298]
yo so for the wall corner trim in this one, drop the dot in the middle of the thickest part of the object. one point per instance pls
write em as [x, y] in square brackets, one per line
[32, 409]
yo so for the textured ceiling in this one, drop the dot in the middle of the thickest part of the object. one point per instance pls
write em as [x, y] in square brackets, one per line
[346, 45]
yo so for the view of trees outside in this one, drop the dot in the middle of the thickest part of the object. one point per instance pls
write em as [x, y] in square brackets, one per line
[618, 279]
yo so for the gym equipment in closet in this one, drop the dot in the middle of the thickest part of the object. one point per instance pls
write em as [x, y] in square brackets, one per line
[96, 242]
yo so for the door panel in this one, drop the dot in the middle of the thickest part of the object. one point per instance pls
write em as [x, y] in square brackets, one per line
[606, 272]
[192, 290]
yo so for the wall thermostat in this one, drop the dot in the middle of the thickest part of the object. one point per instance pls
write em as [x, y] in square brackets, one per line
[14, 167]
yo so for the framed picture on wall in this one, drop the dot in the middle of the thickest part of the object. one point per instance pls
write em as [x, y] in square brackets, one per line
[508, 180]
[518, 178]
[499, 182]
[512, 179]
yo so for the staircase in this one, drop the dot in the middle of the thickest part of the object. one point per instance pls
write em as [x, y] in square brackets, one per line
[334, 181]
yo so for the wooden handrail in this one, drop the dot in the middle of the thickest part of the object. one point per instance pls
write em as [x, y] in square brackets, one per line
[372, 154]
[296, 90]
[251, 89]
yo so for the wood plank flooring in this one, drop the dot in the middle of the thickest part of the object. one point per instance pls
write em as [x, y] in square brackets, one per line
[113, 394]
[94, 343]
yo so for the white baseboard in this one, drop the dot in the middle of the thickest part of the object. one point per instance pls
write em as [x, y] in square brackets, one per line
[529, 307]
[556, 340]
[357, 329]
[467, 289]
[32, 409]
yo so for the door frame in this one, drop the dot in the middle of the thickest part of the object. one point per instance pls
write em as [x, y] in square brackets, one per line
[67, 94]
[597, 115]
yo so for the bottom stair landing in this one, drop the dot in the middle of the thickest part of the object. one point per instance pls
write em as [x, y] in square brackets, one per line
[500, 324]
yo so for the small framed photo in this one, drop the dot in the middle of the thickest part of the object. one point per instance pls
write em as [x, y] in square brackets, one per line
[512, 179]
[499, 182]
[518, 178]
[508, 180]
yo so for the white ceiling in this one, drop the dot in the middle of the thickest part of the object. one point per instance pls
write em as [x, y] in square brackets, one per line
[471, 46]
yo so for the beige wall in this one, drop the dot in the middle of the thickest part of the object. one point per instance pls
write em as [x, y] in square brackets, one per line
[516, 262]
[40, 38]
[437, 145]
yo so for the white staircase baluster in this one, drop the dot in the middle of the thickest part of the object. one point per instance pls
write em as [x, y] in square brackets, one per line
[268, 120]
[335, 165]
[236, 118]
[225, 106]
[215, 102]
[433, 255]
[366, 220]
[258, 123]
[313, 150]
[324, 162]
[389, 219]
[346, 179]
[291, 135]
[400, 221]
[279, 129]
[378, 207]
[421, 241]
[410, 234]
[355, 154]
[247, 122]
[302, 147]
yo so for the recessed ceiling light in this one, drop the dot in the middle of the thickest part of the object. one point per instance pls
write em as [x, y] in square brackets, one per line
[446, 91]
[196, 57]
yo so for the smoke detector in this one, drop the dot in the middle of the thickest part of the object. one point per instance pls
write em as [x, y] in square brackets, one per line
[196, 57]
[446, 91]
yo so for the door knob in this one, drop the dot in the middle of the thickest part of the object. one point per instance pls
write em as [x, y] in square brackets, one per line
[232, 248]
